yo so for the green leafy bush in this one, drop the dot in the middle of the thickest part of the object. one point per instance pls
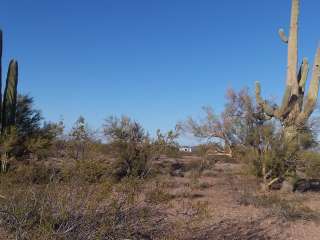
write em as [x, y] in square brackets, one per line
[33, 173]
[132, 147]
[165, 144]
[311, 162]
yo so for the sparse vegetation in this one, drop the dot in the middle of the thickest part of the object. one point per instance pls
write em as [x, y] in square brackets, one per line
[288, 209]
[128, 184]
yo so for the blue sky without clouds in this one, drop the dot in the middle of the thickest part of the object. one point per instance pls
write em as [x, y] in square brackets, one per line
[158, 61]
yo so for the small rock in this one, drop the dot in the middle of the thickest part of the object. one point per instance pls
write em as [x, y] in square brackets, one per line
[304, 185]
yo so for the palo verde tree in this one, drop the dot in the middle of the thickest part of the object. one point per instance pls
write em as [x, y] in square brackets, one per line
[295, 108]
[232, 127]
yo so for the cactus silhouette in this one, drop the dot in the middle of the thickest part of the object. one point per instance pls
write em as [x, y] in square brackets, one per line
[8, 101]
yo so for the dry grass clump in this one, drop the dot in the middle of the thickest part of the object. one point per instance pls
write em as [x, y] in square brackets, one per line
[158, 194]
[287, 209]
[79, 211]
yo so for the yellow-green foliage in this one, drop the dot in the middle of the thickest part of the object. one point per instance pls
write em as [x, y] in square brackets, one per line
[311, 162]
[38, 146]
[87, 170]
[91, 170]
[34, 173]
[132, 147]
[165, 144]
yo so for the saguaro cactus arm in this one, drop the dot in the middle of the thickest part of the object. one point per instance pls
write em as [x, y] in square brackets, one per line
[0, 72]
[286, 100]
[293, 48]
[10, 96]
[303, 75]
[313, 91]
[283, 36]
[302, 79]
[269, 110]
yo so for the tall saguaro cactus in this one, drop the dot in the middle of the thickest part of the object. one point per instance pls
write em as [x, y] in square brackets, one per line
[295, 108]
[1, 44]
[8, 102]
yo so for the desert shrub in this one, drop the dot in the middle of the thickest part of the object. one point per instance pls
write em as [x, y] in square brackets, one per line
[208, 153]
[165, 144]
[288, 209]
[33, 173]
[195, 212]
[158, 194]
[38, 147]
[79, 212]
[270, 156]
[133, 159]
[82, 141]
[131, 145]
[8, 142]
[311, 163]
[89, 171]
[32, 135]
[29, 136]
[128, 189]
[45, 213]
[201, 150]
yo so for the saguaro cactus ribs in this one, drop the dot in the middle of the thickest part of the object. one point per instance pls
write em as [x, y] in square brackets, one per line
[295, 108]
[9, 101]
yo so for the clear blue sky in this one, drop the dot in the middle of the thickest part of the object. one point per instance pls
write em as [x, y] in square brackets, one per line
[157, 61]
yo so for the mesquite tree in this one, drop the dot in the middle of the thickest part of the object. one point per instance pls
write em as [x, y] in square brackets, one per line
[295, 108]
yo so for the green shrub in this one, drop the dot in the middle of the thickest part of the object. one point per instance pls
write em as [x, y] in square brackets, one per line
[165, 144]
[76, 211]
[311, 162]
[132, 147]
[33, 173]
[132, 160]
[87, 170]
[91, 171]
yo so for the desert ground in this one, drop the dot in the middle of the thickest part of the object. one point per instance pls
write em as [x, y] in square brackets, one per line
[224, 203]
[187, 201]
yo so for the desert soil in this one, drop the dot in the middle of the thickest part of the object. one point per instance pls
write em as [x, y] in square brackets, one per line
[209, 205]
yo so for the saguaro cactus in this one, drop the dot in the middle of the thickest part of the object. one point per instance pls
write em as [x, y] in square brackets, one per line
[295, 108]
[9, 101]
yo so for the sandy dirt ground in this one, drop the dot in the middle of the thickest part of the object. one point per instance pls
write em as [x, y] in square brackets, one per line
[208, 205]
[222, 202]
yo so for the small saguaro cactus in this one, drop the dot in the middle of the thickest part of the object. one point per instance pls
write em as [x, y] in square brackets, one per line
[8, 102]
[295, 108]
